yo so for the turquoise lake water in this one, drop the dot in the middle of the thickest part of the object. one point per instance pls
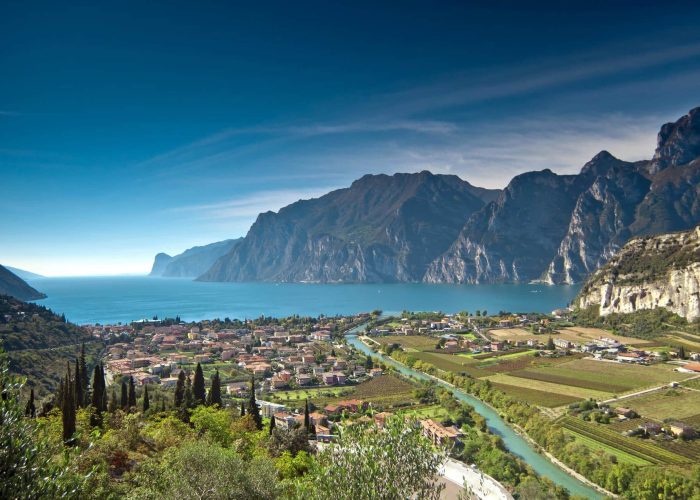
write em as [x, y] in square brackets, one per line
[125, 298]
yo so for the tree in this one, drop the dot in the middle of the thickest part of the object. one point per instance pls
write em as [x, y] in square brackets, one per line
[396, 462]
[125, 397]
[78, 387]
[272, 424]
[180, 389]
[27, 466]
[30, 408]
[146, 402]
[242, 409]
[84, 377]
[162, 404]
[199, 391]
[215, 390]
[68, 409]
[253, 409]
[98, 396]
[113, 404]
[681, 352]
[132, 394]
[550, 344]
[306, 415]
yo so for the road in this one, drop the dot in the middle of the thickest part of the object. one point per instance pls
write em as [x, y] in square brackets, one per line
[479, 484]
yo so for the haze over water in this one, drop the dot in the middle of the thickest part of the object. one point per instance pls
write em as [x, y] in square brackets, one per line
[126, 298]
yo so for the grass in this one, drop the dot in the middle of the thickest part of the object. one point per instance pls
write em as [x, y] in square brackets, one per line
[637, 447]
[596, 445]
[672, 403]
[545, 376]
[432, 411]
[417, 342]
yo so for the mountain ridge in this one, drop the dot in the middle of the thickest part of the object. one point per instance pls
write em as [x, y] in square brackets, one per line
[192, 262]
[14, 286]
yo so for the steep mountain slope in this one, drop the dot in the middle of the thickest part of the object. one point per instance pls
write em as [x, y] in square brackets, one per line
[38, 342]
[649, 272]
[14, 286]
[513, 238]
[381, 228]
[25, 275]
[192, 262]
[607, 203]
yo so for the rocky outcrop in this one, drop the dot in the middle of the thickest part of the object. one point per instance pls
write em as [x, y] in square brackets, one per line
[380, 229]
[647, 273]
[14, 286]
[192, 262]
[678, 143]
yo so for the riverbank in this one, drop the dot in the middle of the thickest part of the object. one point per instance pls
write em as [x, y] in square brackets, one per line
[512, 440]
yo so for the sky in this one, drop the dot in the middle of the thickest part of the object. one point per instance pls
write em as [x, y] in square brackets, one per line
[131, 128]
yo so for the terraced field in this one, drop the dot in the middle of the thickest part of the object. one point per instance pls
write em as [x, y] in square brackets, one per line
[597, 445]
[642, 449]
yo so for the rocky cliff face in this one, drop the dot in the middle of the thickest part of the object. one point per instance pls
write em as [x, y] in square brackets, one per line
[650, 272]
[440, 229]
[193, 261]
[381, 229]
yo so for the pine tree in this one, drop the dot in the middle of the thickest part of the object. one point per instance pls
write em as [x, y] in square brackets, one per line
[146, 402]
[84, 377]
[199, 391]
[30, 409]
[272, 424]
[78, 387]
[253, 409]
[132, 394]
[306, 415]
[125, 397]
[68, 409]
[215, 391]
[97, 397]
[180, 389]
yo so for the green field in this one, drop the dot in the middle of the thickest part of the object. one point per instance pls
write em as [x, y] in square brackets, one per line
[418, 342]
[533, 396]
[545, 375]
[596, 445]
[575, 392]
[432, 411]
[642, 449]
[660, 405]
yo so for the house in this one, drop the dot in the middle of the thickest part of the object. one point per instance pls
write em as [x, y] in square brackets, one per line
[318, 419]
[625, 412]
[651, 428]
[329, 378]
[353, 405]
[285, 420]
[375, 372]
[693, 367]
[268, 409]
[380, 418]
[303, 379]
[333, 410]
[278, 383]
[681, 430]
[496, 346]
[438, 433]
[562, 344]
[628, 357]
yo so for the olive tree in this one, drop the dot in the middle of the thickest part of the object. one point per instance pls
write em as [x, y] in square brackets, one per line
[368, 463]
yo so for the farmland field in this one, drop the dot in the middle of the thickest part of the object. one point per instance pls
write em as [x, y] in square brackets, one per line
[574, 392]
[417, 342]
[597, 445]
[545, 375]
[386, 390]
[533, 396]
[636, 447]
[573, 334]
[660, 405]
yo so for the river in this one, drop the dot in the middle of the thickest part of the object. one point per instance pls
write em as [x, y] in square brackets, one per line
[515, 443]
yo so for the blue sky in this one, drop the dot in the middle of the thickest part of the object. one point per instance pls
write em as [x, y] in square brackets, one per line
[129, 128]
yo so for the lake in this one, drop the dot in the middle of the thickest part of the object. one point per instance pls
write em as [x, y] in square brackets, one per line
[126, 298]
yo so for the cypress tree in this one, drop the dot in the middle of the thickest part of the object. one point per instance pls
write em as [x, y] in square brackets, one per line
[681, 352]
[162, 404]
[30, 409]
[132, 393]
[306, 416]
[68, 409]
[215, 391]
[113, 403]
[187, 401]
[272, 424]
[60, 395]
[146, 402]
[97, 397]
[104, 388]
[125, 397]
[550, 344]
[180, 389]
[84, 377]
[198, 388]
[78, 387]
[242, 409]
[253, 405]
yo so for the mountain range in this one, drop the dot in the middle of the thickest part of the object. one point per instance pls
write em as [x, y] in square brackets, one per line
[440, 229]
[192, 262]
[14, 286]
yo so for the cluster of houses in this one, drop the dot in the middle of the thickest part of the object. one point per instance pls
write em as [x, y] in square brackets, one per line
[279, 358]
